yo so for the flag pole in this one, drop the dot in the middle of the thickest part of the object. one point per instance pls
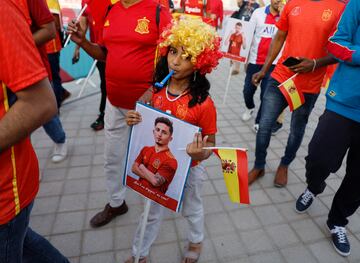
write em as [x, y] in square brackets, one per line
[142, 230]
[87, 78]
[216, 148]
[228, 83]
[77, 19]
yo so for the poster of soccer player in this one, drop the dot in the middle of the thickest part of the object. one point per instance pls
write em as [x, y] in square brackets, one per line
[157, 164]
[237, 38]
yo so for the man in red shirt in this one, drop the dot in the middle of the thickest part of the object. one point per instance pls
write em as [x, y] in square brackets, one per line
[44, 31]
[308, 44]
[155, 165]
[53, 49]
[23, 74]
[216, 13]
[128, 46]
[87, 21]
[195, 8]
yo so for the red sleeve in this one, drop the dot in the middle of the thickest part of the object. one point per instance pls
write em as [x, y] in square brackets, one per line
[283, 23]
[207, 117]
[168, 169]
[20, 63]
[140, 157]
[39, 12]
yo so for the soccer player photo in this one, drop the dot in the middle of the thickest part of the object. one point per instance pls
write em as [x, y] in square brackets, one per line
[157, 164]
[237, 38]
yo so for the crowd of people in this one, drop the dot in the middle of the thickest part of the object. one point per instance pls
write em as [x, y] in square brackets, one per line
[141, 36]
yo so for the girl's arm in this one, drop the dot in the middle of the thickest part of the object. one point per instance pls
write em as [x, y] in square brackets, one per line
[195, 149]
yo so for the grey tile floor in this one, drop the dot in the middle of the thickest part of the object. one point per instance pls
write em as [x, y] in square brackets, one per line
[268, 230]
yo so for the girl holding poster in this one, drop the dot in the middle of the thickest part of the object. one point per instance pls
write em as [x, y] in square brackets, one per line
[189, 49]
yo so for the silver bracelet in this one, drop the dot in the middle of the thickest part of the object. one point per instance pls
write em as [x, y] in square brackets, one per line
[314, 66]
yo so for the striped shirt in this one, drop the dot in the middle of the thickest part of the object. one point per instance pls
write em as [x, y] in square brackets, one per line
[265, 30]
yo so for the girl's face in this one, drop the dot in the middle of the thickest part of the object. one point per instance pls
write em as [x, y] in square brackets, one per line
[182, 66]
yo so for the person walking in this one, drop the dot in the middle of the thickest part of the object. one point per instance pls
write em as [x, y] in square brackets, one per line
[128, 47]
[22, 74]
[329, 145]
[264, 19]
[311, 68]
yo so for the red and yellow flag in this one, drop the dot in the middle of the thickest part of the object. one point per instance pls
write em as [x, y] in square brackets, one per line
[234, 167]
[293, 96]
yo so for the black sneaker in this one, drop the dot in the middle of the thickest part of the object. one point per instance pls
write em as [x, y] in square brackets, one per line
[276, 128]
[304, 201]
[339, 239]
[98, 124]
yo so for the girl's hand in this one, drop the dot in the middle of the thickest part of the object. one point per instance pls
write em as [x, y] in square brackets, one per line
[195, 149]
[77, 32]
[132, 117]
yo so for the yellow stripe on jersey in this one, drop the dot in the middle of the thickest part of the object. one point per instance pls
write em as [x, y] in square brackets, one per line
[13, 159]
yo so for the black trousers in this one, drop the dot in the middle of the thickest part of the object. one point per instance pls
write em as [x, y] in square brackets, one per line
[334, 136]
[101, 67]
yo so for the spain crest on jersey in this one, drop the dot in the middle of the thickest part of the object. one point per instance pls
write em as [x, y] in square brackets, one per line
[156, 164]
[142, 26]
[326, 15]
[181, 111]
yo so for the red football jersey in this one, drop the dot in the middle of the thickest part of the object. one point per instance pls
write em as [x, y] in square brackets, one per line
[162, 163]
[130, 36]
[20, 67]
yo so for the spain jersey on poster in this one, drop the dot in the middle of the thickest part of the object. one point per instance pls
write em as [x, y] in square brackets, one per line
[236, 39]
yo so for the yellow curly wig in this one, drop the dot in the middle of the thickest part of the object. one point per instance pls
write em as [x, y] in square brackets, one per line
[198, 39]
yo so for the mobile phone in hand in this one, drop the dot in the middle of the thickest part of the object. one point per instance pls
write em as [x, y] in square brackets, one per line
[291, 61]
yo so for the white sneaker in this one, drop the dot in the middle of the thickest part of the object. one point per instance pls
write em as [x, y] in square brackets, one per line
[59, 153]
[247, 114]
[256, 127]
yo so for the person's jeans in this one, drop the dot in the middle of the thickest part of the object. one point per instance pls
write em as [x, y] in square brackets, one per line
[250, 89]
[54, 130]
[20, 244]
[54, 60]
[273, 104]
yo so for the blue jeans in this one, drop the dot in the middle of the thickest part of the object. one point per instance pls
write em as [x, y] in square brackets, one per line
[20, 244]
[272, 105]
[54, 130]
[250, 89]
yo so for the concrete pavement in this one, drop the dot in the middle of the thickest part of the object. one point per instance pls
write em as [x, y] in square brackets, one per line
[268, 230]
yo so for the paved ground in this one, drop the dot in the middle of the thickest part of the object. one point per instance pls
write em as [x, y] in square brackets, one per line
[266, 231]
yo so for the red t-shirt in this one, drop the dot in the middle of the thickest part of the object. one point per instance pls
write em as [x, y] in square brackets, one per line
[95, 30]
[308, 25]
[216, 8]
[202, 115]
[40, 15]
[20, 66]
[235, 44]
[54, 45]
[162, 163]
[130, 36]
[193, 7]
